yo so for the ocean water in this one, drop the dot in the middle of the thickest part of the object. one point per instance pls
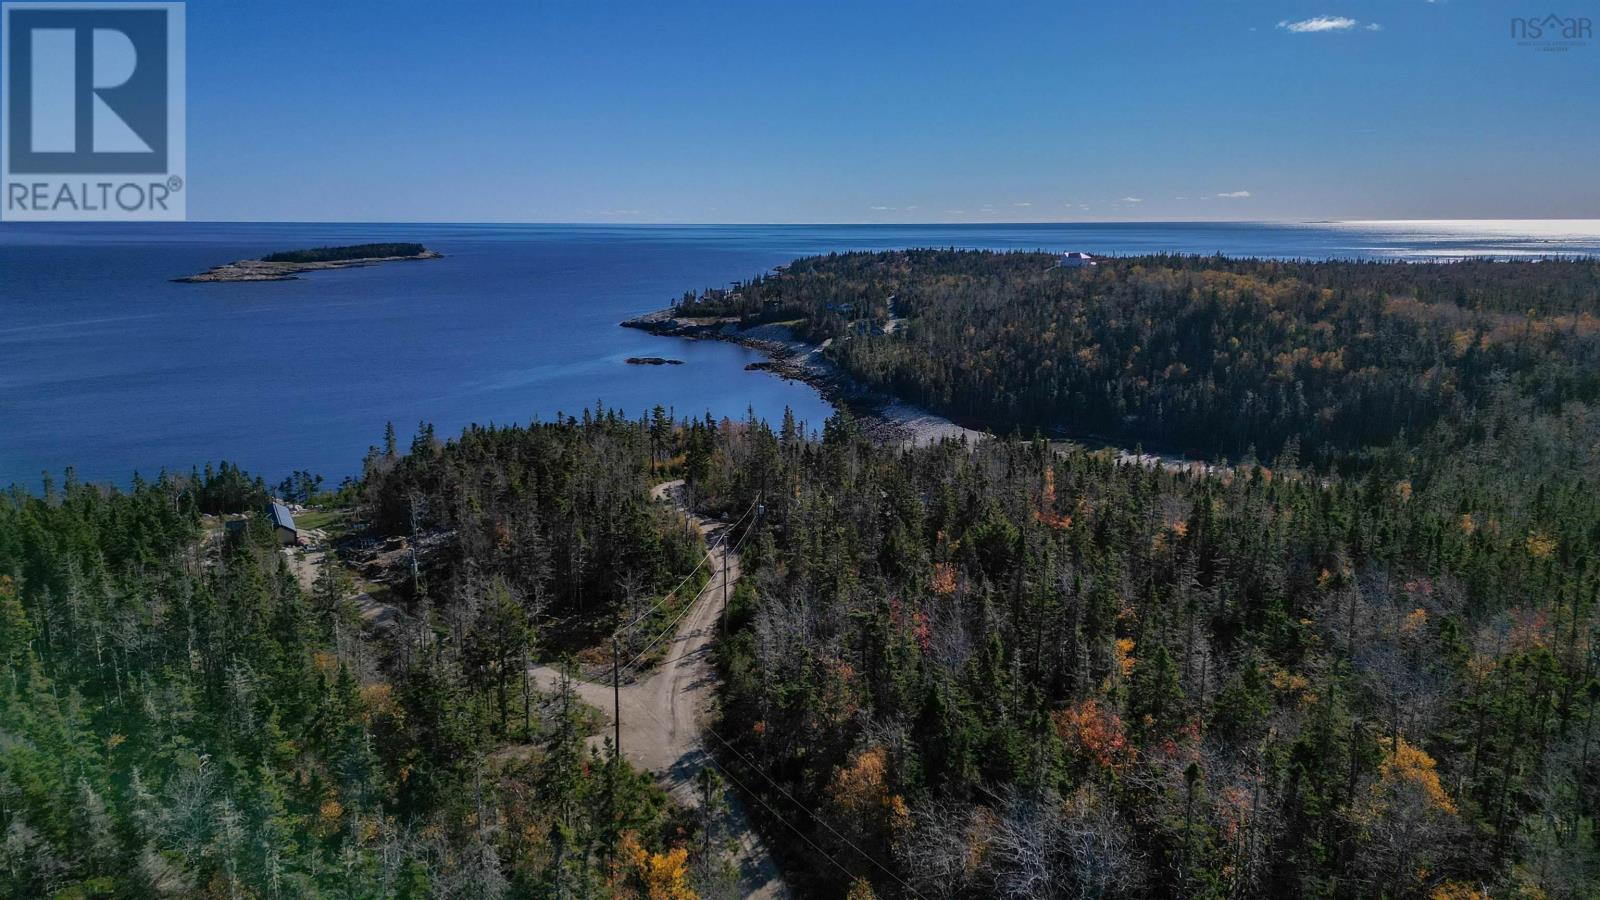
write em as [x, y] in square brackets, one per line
[109, 367]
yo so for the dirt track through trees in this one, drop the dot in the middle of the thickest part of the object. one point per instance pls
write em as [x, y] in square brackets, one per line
[664, 712]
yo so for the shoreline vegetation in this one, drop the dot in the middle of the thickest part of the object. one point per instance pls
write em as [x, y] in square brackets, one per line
[883, 418]
[1199, 358]
[288, 264]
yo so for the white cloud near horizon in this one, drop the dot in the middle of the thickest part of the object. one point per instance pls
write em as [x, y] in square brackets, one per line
[1131, 200]
[1234, 195]
[1318, 24]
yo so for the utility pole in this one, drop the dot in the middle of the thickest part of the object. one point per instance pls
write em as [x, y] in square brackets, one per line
[616, 701]
[616, 753]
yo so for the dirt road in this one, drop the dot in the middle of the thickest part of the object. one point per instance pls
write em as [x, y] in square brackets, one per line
[664, 712]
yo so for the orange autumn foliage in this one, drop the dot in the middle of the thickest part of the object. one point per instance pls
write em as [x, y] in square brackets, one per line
[1414, 622]
[1095, 732]
[1455, 890]
[862, 789]
[860, 786]
[1046, 513]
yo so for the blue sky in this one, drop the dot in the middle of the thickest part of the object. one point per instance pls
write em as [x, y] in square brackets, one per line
[896, 112]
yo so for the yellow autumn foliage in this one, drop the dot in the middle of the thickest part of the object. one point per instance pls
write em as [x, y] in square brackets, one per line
[860, 890]
[330, 811]
[1541, 545]
[1406, 763]
[1125, 660]
[379, 700]
[1288, 682]
[665, 876]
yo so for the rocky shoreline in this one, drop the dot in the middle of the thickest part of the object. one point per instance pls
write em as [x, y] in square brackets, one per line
[883, 418]
[262, 270]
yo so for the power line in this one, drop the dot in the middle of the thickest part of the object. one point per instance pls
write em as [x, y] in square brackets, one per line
[753, 767]
[760, 799]
[672, 628]
[664, 597]
[795, 828]
[703, 559]
[824, 822]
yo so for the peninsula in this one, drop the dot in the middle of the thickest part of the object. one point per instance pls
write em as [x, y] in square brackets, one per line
[287, 265]
[880, 414]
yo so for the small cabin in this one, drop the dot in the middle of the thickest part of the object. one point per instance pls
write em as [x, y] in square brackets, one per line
[283, 524]
[1076, 260]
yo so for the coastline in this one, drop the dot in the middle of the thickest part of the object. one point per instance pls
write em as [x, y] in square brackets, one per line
[262, 270]
[885, 419]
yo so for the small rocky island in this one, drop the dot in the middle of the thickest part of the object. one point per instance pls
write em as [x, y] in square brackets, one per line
[652, 361]
[287, 265]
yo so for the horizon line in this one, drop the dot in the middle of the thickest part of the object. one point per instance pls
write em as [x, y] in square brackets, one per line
[858, 224]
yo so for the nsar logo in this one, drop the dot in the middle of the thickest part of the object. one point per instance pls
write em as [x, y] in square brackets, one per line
[1552, 33]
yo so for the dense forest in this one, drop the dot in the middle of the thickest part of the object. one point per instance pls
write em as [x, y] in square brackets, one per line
[339, 254]
[1208, 356]
[1012, 671]
[1361, 662]
[181, 717]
